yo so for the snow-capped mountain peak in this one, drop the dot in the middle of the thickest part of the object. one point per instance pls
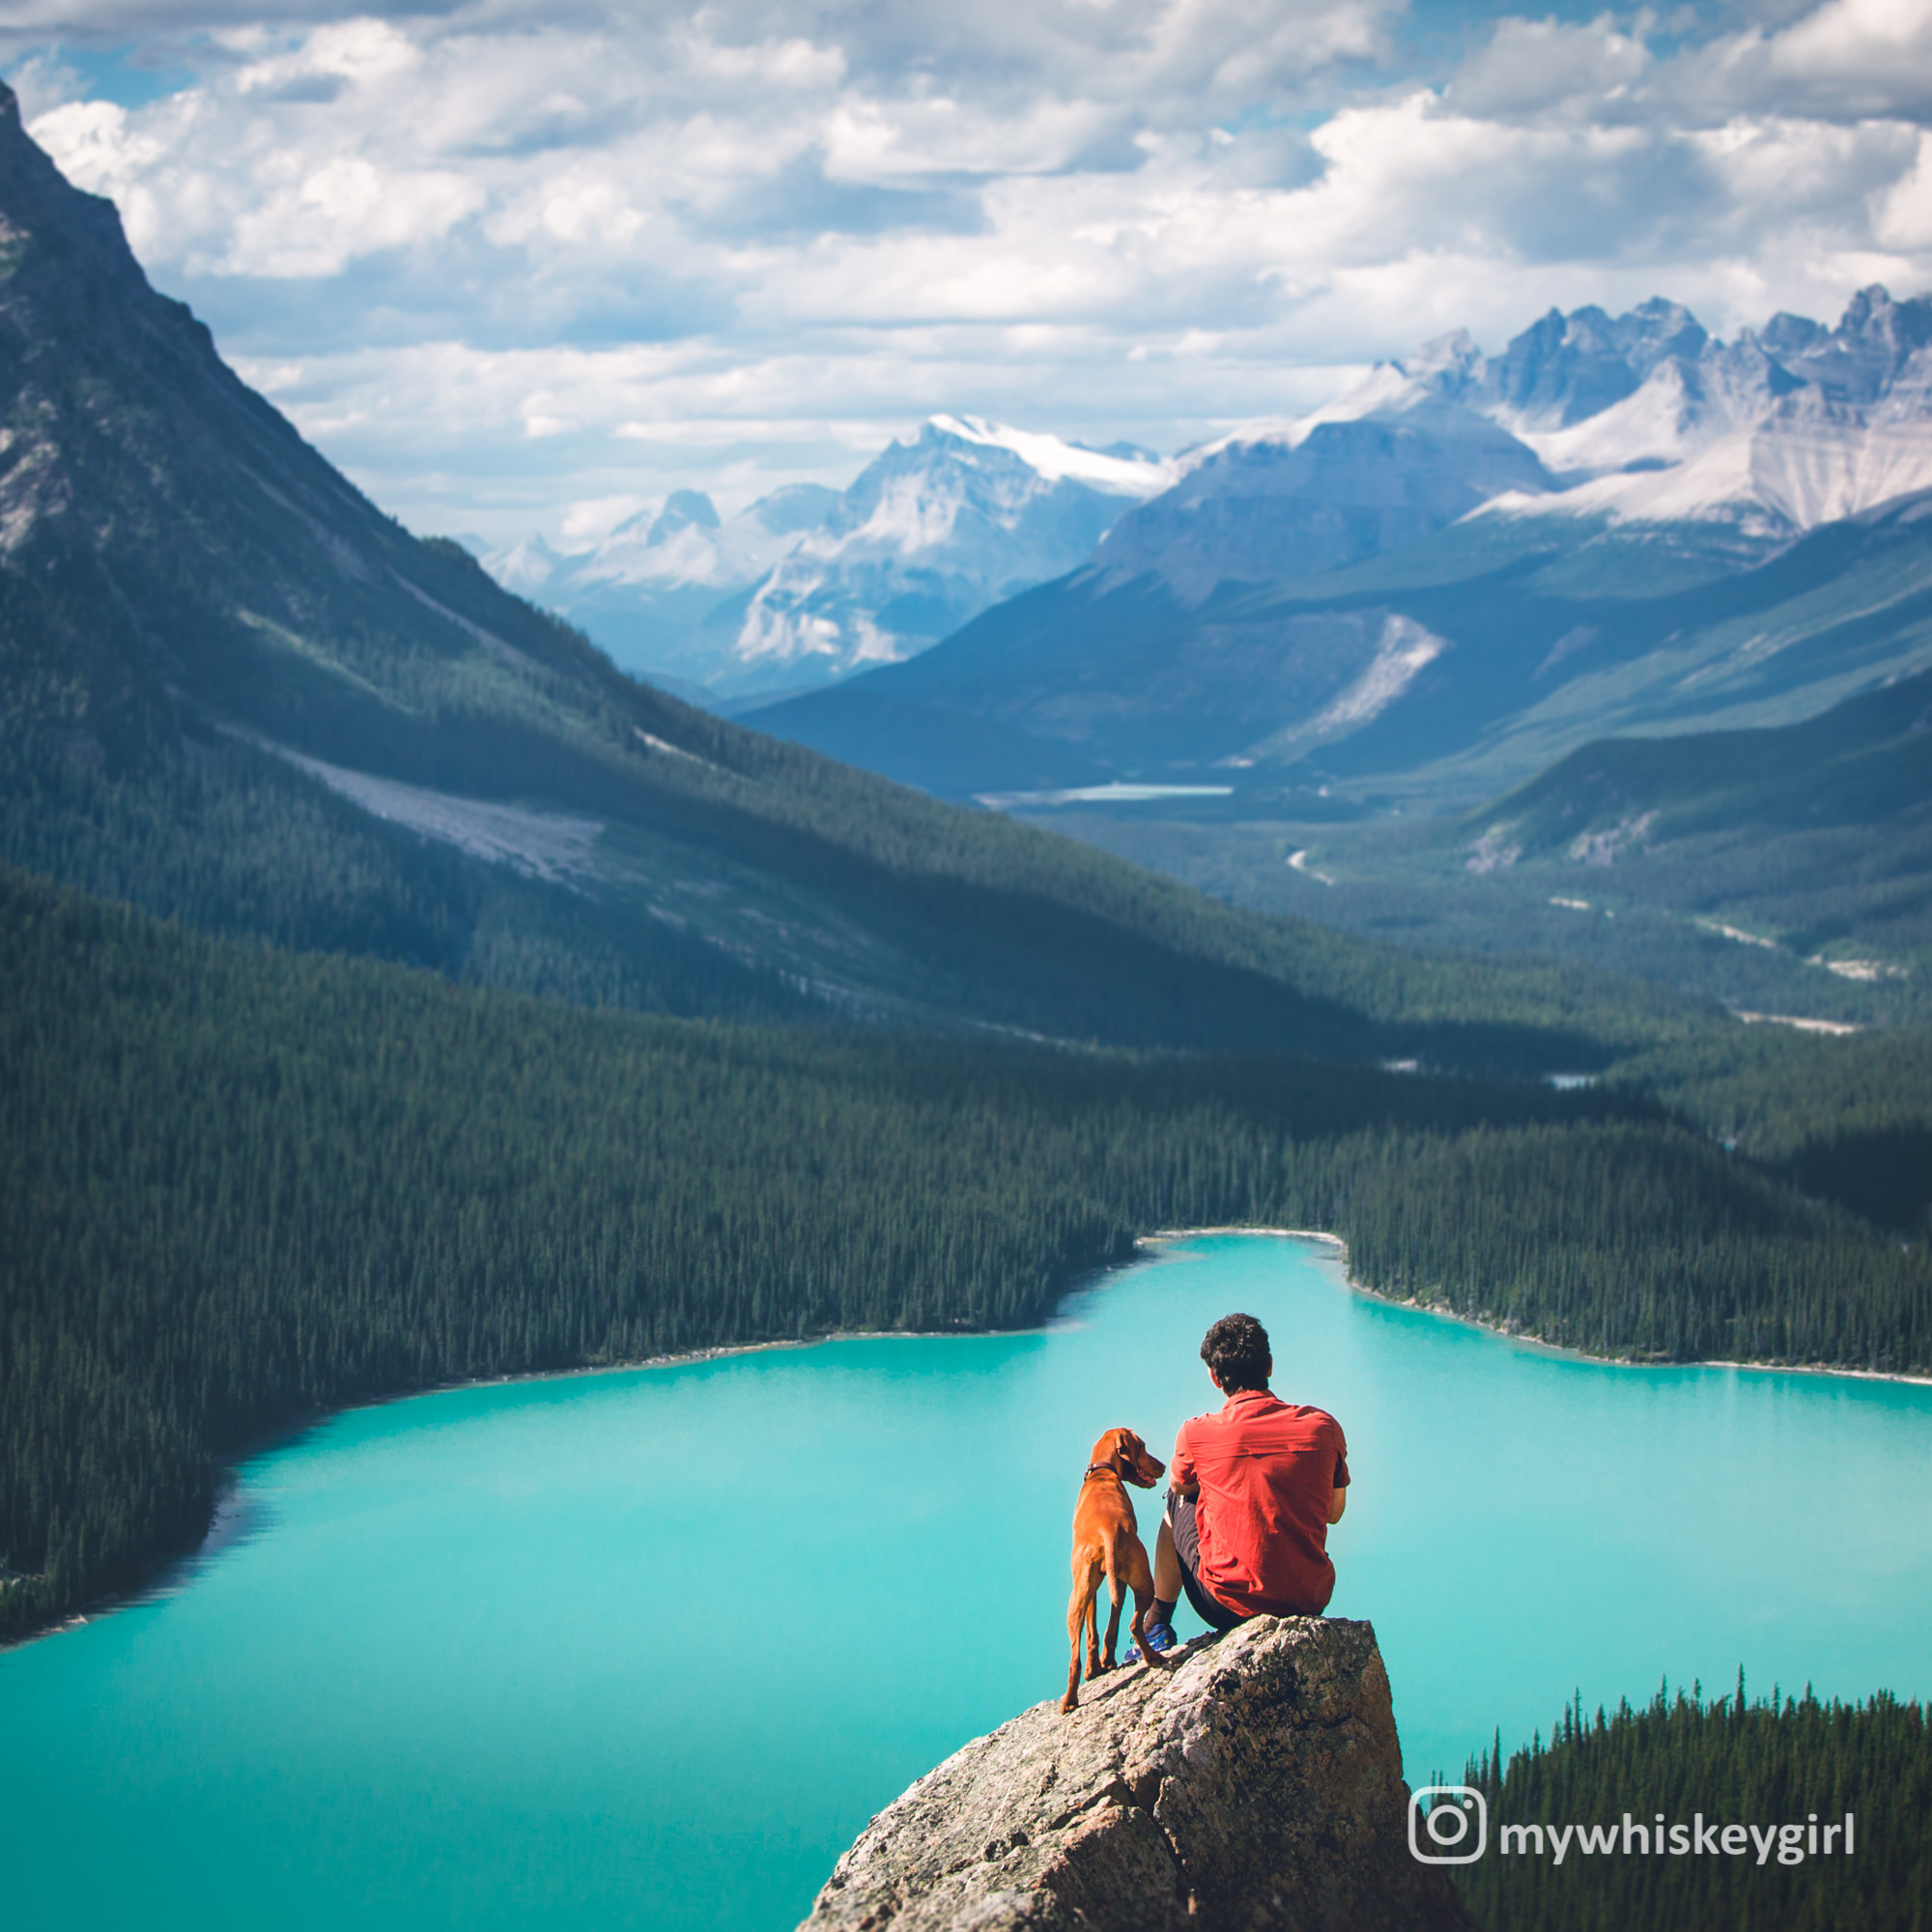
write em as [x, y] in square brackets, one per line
[1778, 431]
[525, 567]
[1442, 372]
[1388, 388]
[1120, 471]
[810, 583]
[931, 532]
[1451, 364]
[683, 510]
[1565, 368]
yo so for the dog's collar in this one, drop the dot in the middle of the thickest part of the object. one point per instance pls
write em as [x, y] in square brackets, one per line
[1101, 1468]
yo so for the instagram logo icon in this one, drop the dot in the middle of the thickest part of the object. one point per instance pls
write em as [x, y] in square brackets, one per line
[1455, 1811]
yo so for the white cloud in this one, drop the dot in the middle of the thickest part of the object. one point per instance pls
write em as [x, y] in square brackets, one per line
[505, 261]
[1879, 48]
[314, 224]
[1850, 59]
[1536, 65]
[361, 52]
[1904, 206]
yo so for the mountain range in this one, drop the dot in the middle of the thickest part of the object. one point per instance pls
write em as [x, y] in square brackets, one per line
[1640, 419]
[809, 585]
[1458, 573]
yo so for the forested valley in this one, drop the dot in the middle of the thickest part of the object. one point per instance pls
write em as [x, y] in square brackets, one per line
[241, 1184]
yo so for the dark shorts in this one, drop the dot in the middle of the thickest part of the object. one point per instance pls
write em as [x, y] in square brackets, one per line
[1212, 1611]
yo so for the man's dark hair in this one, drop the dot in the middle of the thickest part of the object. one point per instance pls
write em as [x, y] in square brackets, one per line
[1237, 1352]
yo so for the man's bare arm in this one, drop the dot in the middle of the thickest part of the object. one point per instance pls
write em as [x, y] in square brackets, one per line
[1338, 1501]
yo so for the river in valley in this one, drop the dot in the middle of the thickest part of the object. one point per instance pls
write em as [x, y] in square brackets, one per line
[647, 1648]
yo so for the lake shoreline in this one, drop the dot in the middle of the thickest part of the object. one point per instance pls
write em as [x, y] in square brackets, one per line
[1522, 1336]
[173, 1568]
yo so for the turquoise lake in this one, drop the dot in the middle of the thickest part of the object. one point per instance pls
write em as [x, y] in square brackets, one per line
[647, 1648]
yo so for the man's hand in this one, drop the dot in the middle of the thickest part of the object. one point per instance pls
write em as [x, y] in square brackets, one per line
[1338, 1501]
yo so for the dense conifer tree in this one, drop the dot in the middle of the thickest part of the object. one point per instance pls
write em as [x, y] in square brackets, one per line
[1768, 1763]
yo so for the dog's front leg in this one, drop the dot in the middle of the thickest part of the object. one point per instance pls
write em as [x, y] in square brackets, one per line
[1140, 1576]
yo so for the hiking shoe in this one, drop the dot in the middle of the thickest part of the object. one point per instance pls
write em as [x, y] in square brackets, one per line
[1159, 1637]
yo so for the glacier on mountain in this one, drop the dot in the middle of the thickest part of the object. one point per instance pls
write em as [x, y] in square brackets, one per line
[1642, 418]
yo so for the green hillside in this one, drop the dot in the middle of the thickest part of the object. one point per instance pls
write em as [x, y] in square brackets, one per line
[1867, 761]
[1582, 631]
[1786, 870]
[1845, 1120]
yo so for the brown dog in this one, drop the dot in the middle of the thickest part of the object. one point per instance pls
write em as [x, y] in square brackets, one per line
[1107, 1543]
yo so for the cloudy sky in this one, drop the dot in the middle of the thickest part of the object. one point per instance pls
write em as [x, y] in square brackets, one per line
[523, 268]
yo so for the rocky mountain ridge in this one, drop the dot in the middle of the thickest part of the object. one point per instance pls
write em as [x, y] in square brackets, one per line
[1777, 433]
[809, 585]
[1642, 418]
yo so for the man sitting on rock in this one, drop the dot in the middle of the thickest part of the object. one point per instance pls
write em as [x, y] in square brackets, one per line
[1252, 1491]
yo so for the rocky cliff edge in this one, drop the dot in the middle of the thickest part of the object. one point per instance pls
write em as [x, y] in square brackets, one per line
[1256, 1785]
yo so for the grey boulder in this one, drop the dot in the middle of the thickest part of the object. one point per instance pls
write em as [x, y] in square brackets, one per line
[1258, 1784]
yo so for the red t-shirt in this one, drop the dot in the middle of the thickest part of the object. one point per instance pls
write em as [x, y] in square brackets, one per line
[1266, 1471]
